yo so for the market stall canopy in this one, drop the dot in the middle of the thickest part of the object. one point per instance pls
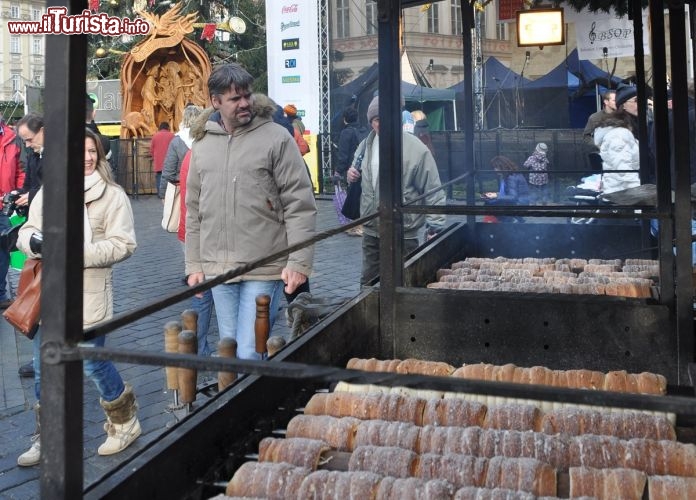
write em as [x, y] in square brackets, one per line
[496, 76]
[360, 91]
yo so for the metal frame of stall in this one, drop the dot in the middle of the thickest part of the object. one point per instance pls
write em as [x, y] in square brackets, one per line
[61, 358]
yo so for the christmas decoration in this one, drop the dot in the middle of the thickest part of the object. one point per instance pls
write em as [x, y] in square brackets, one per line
[162, 73]
[208, 32]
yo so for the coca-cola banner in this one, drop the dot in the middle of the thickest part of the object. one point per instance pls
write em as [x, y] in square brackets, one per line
[602, 35]
[292, 37]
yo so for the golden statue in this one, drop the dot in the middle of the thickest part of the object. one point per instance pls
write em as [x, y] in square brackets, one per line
[162, 74]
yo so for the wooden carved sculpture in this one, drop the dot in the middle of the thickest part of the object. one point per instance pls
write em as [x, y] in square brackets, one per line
[162, 74]
[135, 124]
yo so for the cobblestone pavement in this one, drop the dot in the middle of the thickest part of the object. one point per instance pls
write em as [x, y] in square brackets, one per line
[155, 270]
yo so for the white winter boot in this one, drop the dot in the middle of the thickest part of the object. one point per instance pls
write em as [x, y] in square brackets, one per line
[33, 455]
[122, 426]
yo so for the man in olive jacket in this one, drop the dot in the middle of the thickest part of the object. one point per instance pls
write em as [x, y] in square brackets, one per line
[419, 176]
[247, 196]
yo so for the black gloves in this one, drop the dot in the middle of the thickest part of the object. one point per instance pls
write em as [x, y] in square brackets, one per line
[35, 242]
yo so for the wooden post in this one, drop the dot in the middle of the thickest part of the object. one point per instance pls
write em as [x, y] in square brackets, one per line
[227, 348]
[187, 376]
[171, 345]
[189, 320]
[262, 325]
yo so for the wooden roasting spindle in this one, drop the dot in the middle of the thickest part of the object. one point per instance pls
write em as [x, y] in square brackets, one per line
[262, 325]
[187, 376]
[189, 320]
[171, 345]
[227, 348]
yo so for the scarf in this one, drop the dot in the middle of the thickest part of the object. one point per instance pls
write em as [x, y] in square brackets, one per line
[185, 134]
[91, 180]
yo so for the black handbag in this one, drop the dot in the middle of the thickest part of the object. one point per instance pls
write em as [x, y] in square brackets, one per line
[351, 207]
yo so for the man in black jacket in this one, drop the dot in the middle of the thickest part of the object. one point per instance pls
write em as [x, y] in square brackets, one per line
[351, 135]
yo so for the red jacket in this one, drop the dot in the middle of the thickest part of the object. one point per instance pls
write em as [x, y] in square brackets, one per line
[181, 233]
[158, 148]
[11, 174]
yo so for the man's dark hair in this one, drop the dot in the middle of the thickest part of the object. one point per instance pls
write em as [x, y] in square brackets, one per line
[228, 76]
[350, 115]
[33, 121]
[164, 126]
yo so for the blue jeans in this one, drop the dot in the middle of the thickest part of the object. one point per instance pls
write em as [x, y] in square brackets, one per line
[204, 308]
[103, 373]
[158, 182]
[4, 259]
[235, 307]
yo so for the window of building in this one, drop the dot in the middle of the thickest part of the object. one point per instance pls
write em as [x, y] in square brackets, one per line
[14, 11]
[371, 17]
[38, 78]
[16, 82]
[342, 19]
[37, 46]
[456, 14]
[35, 14]
[501, 31]
[14, 45]
[434, 18]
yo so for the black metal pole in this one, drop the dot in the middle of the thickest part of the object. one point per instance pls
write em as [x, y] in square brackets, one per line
[390, 166]
[661, 133]
[682, 204]
[61, 384]
[468, 108]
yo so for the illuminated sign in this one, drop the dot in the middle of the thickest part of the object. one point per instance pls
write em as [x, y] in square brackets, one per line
[290, 44]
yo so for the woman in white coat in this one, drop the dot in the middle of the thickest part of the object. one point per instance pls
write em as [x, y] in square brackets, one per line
[109, 238]
[615, 136]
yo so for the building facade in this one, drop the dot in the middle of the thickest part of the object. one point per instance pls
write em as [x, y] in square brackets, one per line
[431, 38]
[21, 56]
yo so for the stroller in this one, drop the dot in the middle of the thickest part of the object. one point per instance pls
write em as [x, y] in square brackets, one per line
[583, 197]
[588, 192]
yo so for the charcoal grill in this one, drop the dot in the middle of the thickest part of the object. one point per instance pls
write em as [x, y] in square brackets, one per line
[446, 325]
[206, 447]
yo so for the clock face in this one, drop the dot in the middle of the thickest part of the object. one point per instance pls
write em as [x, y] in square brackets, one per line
[237, 25]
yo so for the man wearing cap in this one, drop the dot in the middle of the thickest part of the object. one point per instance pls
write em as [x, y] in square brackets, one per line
[291, 113]
[419, 175]
[616, 136]
[609, 106]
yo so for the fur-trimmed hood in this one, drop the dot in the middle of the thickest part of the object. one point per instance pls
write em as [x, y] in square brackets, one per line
[617, 119]
[263, 107]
